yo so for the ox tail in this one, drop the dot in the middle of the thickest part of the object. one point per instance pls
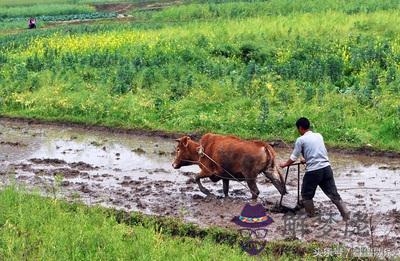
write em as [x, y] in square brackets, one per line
[271, 155]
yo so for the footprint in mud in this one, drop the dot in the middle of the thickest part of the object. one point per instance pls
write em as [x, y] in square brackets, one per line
[158, 171]
[117, 201]
[37, 134]
[389, 168]
[96, 143]
[22, 166]
[127, 183]
[186, 189]
[197, 197]
[82, 166]
[13, 144]
[190, 181]
[190, 174]
[67, 151]
[65, 172]
[238, 192]
[140, 204]
[158, 184]
[65, 183]
[21, 177]
[160, 153]
[85, 189]
[48, 161]
[139, 151]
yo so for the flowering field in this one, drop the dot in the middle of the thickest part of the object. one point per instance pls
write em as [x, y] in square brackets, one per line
[250, 74]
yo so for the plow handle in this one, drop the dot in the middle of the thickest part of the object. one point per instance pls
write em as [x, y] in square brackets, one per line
[298, 181]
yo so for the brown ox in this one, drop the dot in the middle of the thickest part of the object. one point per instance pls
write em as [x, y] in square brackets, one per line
[228, 157]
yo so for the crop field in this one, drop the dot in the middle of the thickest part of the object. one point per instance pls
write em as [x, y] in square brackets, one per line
[251, 76]
[246, 68]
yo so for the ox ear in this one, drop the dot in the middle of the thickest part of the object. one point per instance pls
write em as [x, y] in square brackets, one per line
[185, 141]
[178, 140]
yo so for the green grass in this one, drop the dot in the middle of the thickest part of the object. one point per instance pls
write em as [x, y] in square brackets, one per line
[6, 26]
[249, 73]
[33, 227]
[44, 9]
[246, 9]
[9, 3]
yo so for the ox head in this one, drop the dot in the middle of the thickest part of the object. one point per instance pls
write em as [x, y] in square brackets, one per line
[277, 179]
[185, 153]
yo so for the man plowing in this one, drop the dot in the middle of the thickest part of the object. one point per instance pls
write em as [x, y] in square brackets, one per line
[318, 169]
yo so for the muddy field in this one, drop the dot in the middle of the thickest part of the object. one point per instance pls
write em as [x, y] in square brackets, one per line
[134, 173]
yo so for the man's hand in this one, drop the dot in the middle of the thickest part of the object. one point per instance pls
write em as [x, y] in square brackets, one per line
[282, 165]
[285, 164]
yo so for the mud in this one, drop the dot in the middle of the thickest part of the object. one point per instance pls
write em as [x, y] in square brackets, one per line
[277, 144]
[122, 8]
[132, 171]
[118, 7]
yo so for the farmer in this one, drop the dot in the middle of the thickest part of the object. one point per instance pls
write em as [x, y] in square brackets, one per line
[318, 170]
[32, 23]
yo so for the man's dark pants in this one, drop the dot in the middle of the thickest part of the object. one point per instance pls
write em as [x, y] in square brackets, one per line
[320, 177]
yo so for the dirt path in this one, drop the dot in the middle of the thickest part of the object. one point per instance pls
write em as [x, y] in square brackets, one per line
[122, 8]
[134, 172]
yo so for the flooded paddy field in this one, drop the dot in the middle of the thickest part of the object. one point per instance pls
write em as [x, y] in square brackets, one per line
[134, 173]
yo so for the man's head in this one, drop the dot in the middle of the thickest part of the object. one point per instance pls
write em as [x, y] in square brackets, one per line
[303, 125]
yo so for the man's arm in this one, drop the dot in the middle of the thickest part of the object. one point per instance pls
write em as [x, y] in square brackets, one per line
[287, 163]
[294, 156]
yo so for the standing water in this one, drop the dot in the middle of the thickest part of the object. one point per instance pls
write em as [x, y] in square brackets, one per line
[134, 173]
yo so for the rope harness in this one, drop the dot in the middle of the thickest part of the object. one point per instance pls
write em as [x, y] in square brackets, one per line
[232, 177]
[203, 154]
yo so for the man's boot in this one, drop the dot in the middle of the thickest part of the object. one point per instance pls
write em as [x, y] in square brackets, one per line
[342, 209]
[309, 207]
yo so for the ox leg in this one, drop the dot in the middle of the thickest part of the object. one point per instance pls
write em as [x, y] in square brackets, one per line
[225, 186]
[201, 187]
[253, 188]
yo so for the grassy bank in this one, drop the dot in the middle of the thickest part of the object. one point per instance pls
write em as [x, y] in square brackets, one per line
[32, 227]
[35, 228]
[240, 71]
[46, 9]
